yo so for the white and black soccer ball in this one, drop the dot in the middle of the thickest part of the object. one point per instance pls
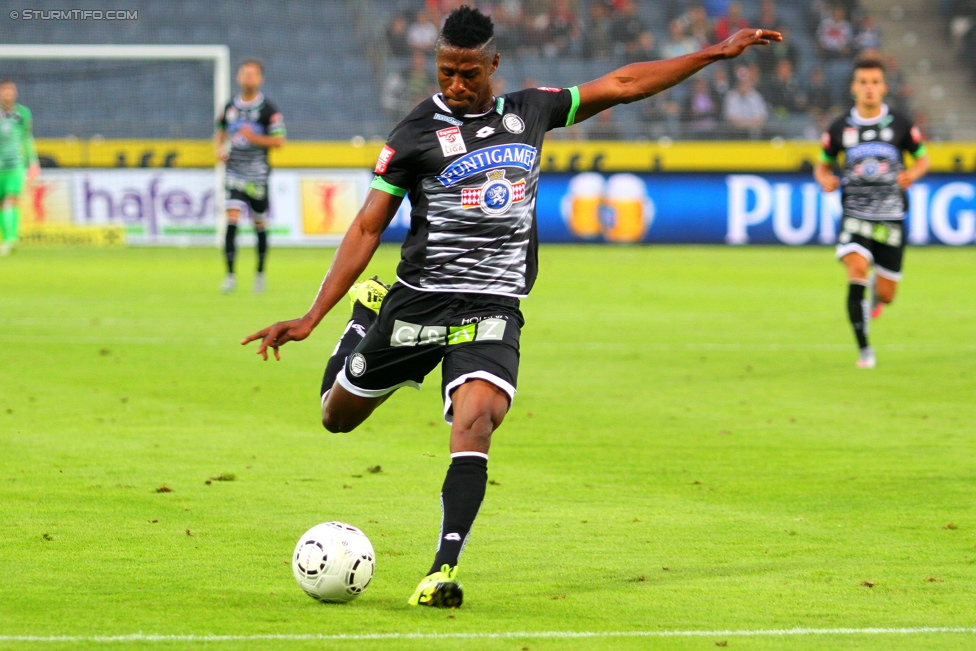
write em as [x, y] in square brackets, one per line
[333, 562]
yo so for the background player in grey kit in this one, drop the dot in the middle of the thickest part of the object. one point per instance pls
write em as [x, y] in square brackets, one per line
[873, 140]
[246, 129]
[470, 163]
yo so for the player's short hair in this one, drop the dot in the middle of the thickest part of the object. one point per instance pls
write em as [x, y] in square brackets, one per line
[869, 63]
[6, 80]
[252, 61]
[468, 29]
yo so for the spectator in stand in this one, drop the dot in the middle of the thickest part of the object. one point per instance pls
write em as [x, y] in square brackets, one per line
[768, 18]
[744, 109]
[597, 38]
[868, 37]
[835, 39]
[769, 57]
[678, 42]
[663, 111]
[396, 36]
[422, 34]
[818, 93]
[562, 29]
[720, 80]
[702, 109]
[627, 28]
[784, 93]
[698, 26]
[510, 26]
[716, 8]
[730, 23]
[420, 83]
[645, 50]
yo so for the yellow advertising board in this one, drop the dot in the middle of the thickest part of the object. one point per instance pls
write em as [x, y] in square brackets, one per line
[68, 235]
[557, 155]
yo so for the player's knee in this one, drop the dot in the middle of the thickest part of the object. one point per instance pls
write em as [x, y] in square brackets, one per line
[885, 294]
[233, 216]
[336, 423]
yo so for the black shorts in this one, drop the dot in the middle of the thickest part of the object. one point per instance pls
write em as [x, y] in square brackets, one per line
[476, 336]
[881, 243]
[246, 195]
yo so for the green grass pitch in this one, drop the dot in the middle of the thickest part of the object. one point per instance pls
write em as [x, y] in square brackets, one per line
[691, 449]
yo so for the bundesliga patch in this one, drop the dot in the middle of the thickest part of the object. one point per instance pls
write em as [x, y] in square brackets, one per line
[451, 141]
[383, 162]
[851, 137]
[496, 196]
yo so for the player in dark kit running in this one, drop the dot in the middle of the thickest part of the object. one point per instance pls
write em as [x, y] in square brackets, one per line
[250, 125]
[874, 140]
[470, 162]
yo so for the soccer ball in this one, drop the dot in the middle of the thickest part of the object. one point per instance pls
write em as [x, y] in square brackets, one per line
[333, 562]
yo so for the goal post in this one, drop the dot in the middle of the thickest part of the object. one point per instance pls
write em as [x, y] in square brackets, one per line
[218, 54]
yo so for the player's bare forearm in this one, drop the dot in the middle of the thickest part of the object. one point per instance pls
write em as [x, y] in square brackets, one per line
[914, 173]
[268, 142]
[823, 175]
[638, 81]
[354, 253]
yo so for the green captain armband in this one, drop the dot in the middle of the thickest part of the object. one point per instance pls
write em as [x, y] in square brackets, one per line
[921, 151]
[824, 158]
[379, 184]
[571, 118]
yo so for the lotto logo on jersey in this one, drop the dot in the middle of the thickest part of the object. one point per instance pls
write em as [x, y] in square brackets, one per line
[451, 141]
[383, 162]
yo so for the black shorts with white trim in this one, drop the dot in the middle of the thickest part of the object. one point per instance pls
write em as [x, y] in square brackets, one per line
[475, 335]
[881, 243]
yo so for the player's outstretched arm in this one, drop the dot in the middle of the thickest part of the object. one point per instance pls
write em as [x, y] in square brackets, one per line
[640, 80]
[354, 253]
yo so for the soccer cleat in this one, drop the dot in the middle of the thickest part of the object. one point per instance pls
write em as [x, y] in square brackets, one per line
[259, 283]
[866, 359]
[876, 312]
[439, 590]
[229, 284]
[370, 293]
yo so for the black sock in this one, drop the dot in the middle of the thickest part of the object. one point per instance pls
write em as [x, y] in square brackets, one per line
[461, 497]
[262, 249]
[855, 311]
[230, 246]
[362, 319]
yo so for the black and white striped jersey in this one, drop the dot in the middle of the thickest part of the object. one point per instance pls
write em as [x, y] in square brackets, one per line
[472, 185]
[247, 162]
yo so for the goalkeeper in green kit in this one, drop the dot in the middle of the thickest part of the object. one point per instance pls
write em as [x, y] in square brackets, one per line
[18, 159]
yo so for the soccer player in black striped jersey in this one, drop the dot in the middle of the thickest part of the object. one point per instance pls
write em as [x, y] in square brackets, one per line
[247, 128]
[470, 163]
[874, 140]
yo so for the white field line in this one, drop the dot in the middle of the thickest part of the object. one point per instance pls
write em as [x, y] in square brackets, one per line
[518, 635]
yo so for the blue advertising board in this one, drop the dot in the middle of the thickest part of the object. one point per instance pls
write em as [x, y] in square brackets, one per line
[674, 208]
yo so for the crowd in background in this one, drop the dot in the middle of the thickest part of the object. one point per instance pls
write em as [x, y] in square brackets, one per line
[781, 89]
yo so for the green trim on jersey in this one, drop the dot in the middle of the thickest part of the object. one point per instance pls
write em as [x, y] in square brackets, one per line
[500, 106]
[824, 158]
[571, 118]
[921, 151]
[379, 184]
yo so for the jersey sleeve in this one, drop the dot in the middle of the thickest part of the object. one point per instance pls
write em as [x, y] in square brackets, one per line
[912, 142]
[557, 106]
[221, 122]
[830, 143]
[395, 172]
[276, 122]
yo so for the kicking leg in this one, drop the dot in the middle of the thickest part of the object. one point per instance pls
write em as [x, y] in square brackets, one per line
[479, 408]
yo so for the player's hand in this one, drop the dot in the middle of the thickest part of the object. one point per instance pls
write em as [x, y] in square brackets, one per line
[736, 44]
[247, 132]
[905, 179]
[33, 172]
[279, 334]
[829, 183]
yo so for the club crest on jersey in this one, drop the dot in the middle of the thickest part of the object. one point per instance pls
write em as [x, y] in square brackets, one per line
[851, 137]
[496, 196]
[887, 134]
[231, 114]
[513, 123]
[517, 155]
[451, 141]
